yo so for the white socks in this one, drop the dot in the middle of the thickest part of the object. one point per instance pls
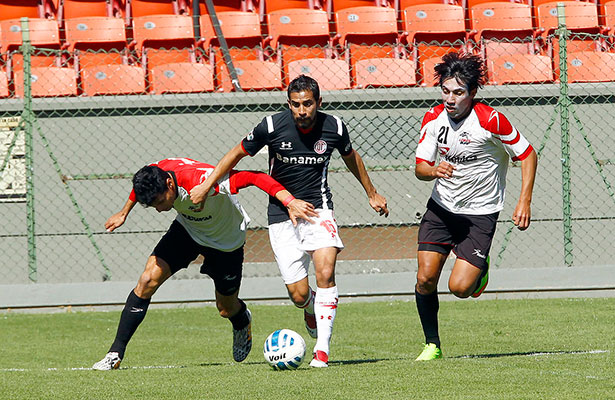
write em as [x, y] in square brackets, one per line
[325, 306]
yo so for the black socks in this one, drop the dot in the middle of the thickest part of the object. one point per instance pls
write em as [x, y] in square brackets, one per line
[240, 320]
[132, 315]
[428, 306]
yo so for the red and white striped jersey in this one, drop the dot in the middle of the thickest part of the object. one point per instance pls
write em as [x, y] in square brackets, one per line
[222, 223]
[479, 147]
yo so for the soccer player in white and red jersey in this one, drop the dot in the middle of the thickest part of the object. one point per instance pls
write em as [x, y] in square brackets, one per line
[216, 231]
[465, 146]
[300, 142]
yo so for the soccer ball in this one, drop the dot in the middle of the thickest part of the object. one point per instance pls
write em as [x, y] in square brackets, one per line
[284, 349]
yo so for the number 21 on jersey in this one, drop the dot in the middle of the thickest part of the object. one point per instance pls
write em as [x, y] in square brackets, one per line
[443, 134]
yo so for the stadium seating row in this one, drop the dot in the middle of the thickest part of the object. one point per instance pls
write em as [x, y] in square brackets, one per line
[66, 9]
[81, 8]
[95, 57]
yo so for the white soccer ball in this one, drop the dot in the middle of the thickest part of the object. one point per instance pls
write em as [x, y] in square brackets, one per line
[284, 349]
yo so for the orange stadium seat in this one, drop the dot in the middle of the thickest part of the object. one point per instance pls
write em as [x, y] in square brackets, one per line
[606, 15]
[591, 66]
[14, 9]
[297, 34]
[504, 34]
[243, 37]
[537, 3]
[228, 5]
[100, 54]
[330, 74]
[90, 8]
[268, 6]
[333, 6]
[400, 5]
[49, 76]
[501, 17]
[166, 46]
[432, 30]
[519, 68]
[274, 5]
[140, 8]
[367, 34]
[257, 75]
[581, 17]
[48, 82]
[473, 3]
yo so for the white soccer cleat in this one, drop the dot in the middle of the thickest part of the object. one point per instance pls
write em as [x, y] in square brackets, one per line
[242, 340]
[111, 361]
[310, 324]
[321, 360]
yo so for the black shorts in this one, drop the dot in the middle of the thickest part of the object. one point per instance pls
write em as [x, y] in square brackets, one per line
[178, 249]
[469, 236]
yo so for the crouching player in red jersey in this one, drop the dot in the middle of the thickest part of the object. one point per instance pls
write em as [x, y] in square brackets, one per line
[216, 230]
[474, 143]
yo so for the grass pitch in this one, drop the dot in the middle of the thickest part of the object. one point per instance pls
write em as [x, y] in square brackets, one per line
[494, 349]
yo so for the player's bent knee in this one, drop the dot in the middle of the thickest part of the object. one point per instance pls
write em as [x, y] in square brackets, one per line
[299, 299]
[426, 285]
[224, 313]
[146, 286]
[460, 291]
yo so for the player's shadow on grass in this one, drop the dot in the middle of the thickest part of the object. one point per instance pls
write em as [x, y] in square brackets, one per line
[522, 353]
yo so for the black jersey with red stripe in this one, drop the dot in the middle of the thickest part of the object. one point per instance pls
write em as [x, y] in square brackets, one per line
[299, 161]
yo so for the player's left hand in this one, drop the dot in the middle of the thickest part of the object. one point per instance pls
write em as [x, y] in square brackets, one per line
[522, 216]
[299, 209]
[379, 204]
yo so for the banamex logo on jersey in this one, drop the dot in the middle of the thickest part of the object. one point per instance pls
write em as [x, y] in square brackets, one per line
[320, 147]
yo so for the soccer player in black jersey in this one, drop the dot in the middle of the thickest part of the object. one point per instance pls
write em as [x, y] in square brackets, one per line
[300, 142]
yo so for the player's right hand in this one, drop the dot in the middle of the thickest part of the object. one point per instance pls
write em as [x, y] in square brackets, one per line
[444, 170]
[198, 195]
[115, 221]
[299, 209]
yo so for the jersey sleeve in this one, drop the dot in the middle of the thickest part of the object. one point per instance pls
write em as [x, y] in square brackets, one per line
[257, 138]
[515, 144]
[241, 179]
[345, 146]
[427, 149]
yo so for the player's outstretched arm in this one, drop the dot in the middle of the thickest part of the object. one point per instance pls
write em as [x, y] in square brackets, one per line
[118, 219]
[296, 208]
[354, 162]
[523, 214]
[198, 194]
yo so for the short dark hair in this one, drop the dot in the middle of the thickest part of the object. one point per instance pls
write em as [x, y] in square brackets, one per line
[149, 183]
[304, 82]
[466, 68]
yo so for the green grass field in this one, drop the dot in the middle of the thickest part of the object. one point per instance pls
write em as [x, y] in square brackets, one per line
[494, 349]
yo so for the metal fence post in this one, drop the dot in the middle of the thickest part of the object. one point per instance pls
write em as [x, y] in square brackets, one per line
[564, 105]
[28, 116]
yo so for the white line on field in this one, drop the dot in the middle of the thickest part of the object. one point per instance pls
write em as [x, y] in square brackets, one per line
[90, 369]
[545, 353]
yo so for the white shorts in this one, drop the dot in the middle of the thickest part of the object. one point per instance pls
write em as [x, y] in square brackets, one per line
[292, 245]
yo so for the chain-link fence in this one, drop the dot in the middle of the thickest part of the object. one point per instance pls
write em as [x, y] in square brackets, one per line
[78, 120]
